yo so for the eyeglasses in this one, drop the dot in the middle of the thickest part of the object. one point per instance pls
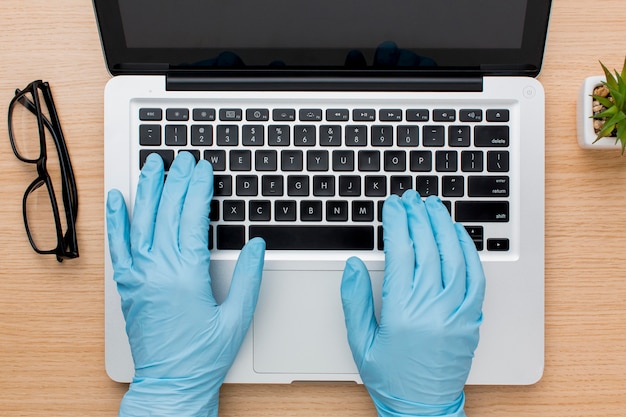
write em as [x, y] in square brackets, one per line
[32, 120]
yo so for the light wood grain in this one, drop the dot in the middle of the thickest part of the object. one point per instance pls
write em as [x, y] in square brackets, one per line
[51, 315]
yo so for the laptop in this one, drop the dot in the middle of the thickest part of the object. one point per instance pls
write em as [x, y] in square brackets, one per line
[312, 113]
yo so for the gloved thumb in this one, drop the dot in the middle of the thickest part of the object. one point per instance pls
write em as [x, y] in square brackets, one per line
[243, 294]
[358, 308]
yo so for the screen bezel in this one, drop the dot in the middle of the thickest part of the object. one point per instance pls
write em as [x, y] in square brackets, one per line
[525, 61]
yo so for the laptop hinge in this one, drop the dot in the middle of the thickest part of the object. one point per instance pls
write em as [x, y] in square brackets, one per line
[438, 84]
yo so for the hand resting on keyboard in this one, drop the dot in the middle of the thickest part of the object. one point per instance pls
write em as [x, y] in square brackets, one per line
[182, 341]
[416, 360]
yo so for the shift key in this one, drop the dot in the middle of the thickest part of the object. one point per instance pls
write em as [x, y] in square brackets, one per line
[481, 211]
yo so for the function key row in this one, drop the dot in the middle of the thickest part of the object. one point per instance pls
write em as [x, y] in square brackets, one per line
[331, 115]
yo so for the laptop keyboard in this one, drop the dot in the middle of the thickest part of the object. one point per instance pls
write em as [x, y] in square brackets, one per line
[316, 178]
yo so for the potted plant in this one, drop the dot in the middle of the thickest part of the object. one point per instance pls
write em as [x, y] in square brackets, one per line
[602, 111]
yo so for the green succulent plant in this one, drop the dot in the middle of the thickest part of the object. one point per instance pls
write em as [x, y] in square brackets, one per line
[615, 104]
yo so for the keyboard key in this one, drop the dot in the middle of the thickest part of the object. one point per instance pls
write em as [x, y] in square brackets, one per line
[400, 183]
[427, 185]
[343, 161]
[459, 136]
[488, 186]
[444, 115]
[382, 135]
[491, 136]
[223, 185]
[234, 210]
[408, 136]
[304, 135]
[452, 186]
[260, 211]
[364, 115]
[230, 115]
[356, 135]
[298, 185]
[315, 237]
[217, 158]
[481, 211]
[349, 186]
[265, 160]
[446, 161]
[417, 115]
[284, 211]
[227, 135]
[284, 115]
[310, 115]
[324, 185]
[257, 115]
[337, 115]
[336, 211]
[230, 237]
[498, 244]
[311, 211]
[390, 115]
[247, 185]
[272, 185]
[150, 135]
[176, 135]
[203, 115]
[317, 160]
[166, 155]
[497, 115]
[395, 161]
[253, 135]
[376, 186]
[291, 160]
[421, 161]
[476, 233]
[369, 161]
[240, 160]
[363, 211]
[202, 135]
[433, 136]
[150, 114]
[279, 135]
[471, 115]
[330, 135]
[471, 161]
[498, 161]
[181, 115]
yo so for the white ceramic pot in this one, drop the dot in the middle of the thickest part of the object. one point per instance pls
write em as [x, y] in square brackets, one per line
[586, 134]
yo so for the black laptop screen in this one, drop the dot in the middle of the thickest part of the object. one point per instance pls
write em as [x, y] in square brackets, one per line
[336, 34]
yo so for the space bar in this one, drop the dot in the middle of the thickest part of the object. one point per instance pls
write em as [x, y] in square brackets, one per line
[315, 237]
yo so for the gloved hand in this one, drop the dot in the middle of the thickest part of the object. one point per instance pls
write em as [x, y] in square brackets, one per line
[415, 362]
[182, 341]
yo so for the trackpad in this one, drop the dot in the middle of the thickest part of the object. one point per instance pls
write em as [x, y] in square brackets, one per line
[299, 324]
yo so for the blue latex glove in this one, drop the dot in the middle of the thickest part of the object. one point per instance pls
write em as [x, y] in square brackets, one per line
[415, 362]
[182, 341]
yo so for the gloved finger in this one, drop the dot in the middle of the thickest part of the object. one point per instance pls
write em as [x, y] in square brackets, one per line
[427, 264]
[118, 231]
[166, 233]
[399, 253]
[149, 189]
[239, 305]
[358, 308]
[450, 252]
[194, 222]
[475, 276]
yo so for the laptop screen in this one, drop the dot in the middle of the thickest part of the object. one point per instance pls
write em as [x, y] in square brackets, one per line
[459, 35]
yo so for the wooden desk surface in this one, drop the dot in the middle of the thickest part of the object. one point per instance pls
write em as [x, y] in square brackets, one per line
[51, 315]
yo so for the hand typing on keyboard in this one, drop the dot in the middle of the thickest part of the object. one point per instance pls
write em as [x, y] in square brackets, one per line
[182, 341]
[416, 359]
